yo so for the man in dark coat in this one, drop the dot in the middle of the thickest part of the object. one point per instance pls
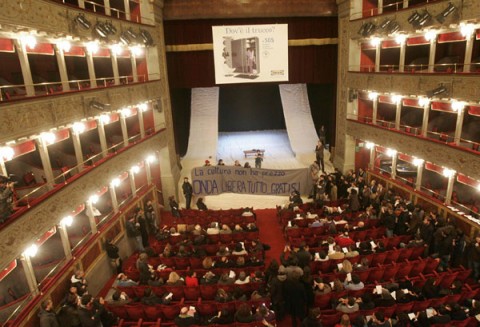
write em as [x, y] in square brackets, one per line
[47, 315]
[296, 297]
[187, 191]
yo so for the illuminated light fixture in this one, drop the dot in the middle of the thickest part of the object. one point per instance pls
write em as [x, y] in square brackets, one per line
[94, 198]
[146, 38]
[67, 221]
[143, 106]
[422, 101]
[48, 137]
[369, 145]
[115, 182]
[125, 39]
[112, 30]
[101, 30]
[430, 35]
[467, 30]
[126, 112]
[151, 159]
[31, 251]
[418, 162]
[375, 41]
[413, 18]
[478, 187]
[92, 47]
[6, 153]
[396, 98]
[448, 172]
[29, 41]
[135, 169]
[136, 51]
[458, 105]
[116, 49]
[439, 90]
[64, 45]
[401, 38]
[82, 21]
[424, 18]
[78, 127]
[373, 96]
[391, 152]
[105, 119]
[445, 13]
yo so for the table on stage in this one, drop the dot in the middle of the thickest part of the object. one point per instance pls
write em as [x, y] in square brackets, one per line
[253, 152]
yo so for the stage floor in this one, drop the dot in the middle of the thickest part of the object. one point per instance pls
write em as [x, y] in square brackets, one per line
[278, 155]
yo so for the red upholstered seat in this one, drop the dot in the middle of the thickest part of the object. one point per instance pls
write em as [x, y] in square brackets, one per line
[191, 293]
[135, 311]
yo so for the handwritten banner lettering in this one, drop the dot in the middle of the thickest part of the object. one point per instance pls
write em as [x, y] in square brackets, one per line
[229, 179]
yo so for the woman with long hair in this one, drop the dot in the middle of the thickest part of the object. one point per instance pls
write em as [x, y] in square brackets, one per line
[344, 321]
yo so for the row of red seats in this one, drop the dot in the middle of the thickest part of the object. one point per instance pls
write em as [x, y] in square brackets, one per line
[214, 213]
[211, 238]
[331, 319]
[304, 230]
[134, 274]
[374, 259]
[189, 293]
[206, 309]
[183, 263]
[139, 323]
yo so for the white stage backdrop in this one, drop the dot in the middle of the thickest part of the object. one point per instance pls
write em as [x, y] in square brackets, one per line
[250, 53]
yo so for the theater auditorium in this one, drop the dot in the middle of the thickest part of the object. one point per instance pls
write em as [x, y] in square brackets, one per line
[241, 163]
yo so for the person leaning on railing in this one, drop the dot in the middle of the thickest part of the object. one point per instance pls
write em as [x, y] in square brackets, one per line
[6, 198]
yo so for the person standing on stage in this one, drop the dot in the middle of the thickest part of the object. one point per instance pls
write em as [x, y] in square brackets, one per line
[258, 160]
[319, 154]
[322, 135]
[187, 191]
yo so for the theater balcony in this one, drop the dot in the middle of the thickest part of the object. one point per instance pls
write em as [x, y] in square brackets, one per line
[63, 49]
[432, 39]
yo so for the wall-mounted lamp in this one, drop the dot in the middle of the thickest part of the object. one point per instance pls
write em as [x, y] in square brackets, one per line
[424, 18]
[98, 106]
[124, 38]
[101, 30]
[111, 29]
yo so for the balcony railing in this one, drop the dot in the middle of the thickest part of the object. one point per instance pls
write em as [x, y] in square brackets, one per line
[101, 9]
[391, 7]
[26, 201]
[449, 68]
[12, 92]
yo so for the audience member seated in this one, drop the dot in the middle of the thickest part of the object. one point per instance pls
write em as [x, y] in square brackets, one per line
[188, 316]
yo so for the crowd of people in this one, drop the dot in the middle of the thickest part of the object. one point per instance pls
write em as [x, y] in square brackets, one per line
[289, 282]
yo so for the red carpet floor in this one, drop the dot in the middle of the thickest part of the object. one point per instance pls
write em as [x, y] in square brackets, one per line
[270, 233]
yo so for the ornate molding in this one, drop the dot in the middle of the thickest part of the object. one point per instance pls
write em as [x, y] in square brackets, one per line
[202, 9]
[25, 118]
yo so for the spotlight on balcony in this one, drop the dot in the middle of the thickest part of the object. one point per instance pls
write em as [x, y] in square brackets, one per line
[131, 34]
[81, 20]
[447, 12]
[101, 30]
[439, 90]
[112, 30]
[385, 24]
[146, 38]
[424, 18]
[413, 18]
[393, 28]
[367, 29]
[98, 105]
[125, 39]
